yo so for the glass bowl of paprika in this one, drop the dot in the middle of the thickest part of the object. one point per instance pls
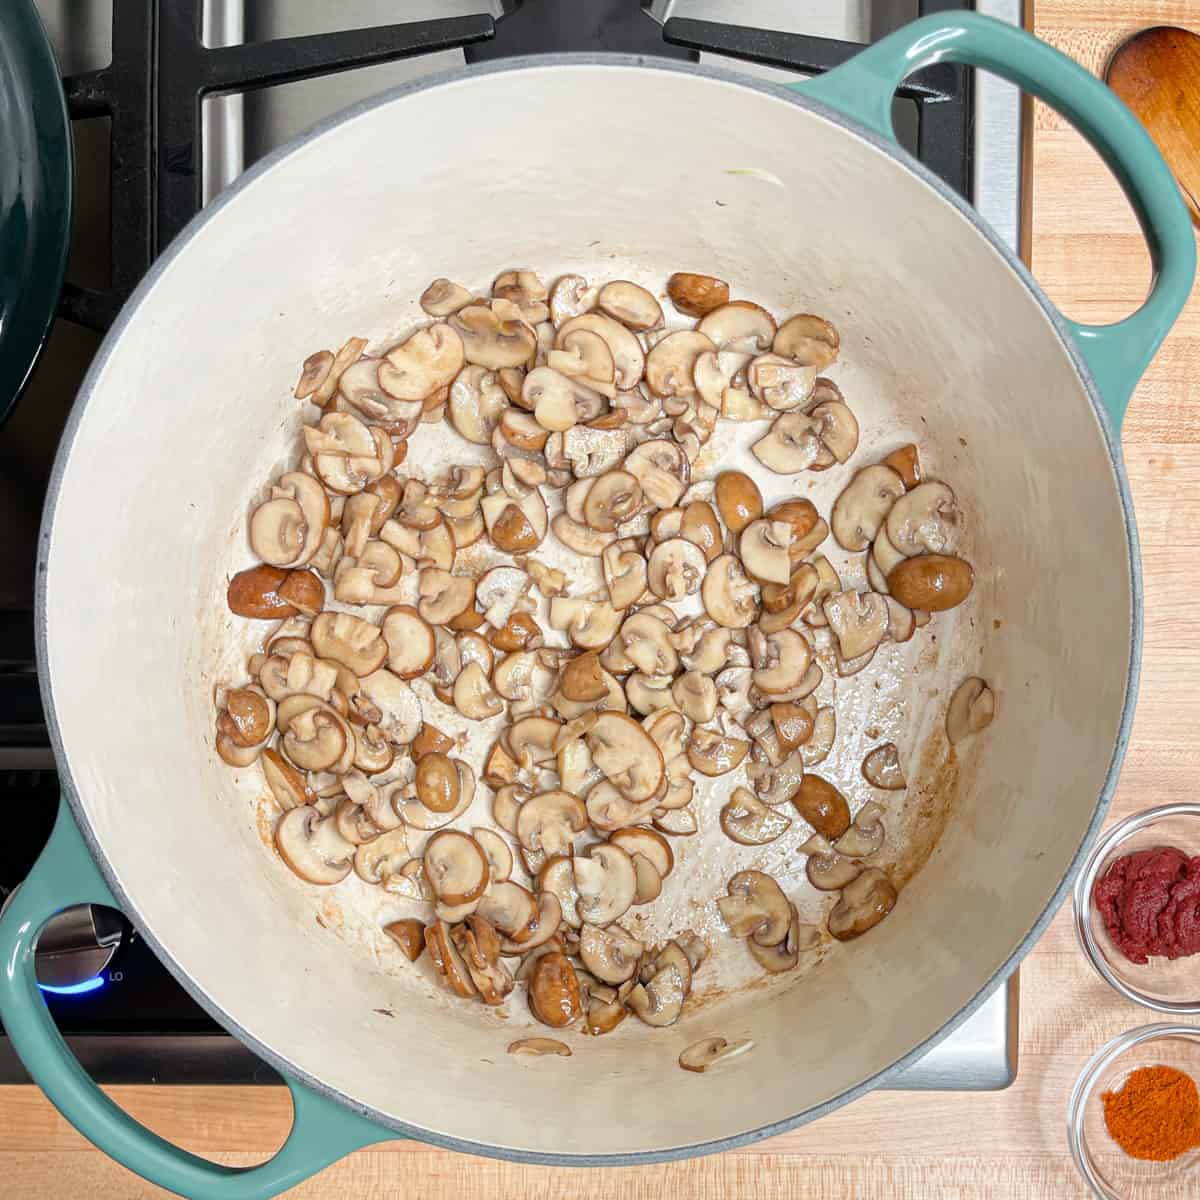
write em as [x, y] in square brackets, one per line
[1134, 1117]
[1137, 908]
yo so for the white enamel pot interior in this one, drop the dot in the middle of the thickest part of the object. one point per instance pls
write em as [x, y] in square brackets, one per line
[188, 414]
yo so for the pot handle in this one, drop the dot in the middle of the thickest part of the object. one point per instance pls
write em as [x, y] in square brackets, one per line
[323, 1130]
[863, 88]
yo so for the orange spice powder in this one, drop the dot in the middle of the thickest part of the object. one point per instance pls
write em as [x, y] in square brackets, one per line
[1155, 1115]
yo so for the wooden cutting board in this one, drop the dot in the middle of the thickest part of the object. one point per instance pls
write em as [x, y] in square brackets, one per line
[1087, 252]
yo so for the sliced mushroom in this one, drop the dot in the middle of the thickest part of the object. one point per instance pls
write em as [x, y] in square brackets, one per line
[627, 755]
[474, 695]
[697, 295]
[442, 298]
[606, 884]
[627, 355]
[739, 325]
[456, 867]
[971, 710]
[822, 806]
[662, 469]
[579, 537]
[827, 869]
[881, 768]
[748, 821]
[779, 382]
[924, 520]
[865, 836]
[764, 549]
[650, 845]
[584, 356]
[630, 304]
[312, 847]
[670, 365]
[738, 500]
[317, 738]
[931, 582]
[588, 623]
[707, 1052]
[864, 902]
[696, 696]
[428, 360]
[859, 620]
[380, 859]
[287, 530]
[786, 954]
[397, 704]
[817, 748]
[781, 661]
[559, 401]
[611, 499]
[756, 907]
[511, 908]
[349, 640]
[554, 996]
[549, 821]
[476, 404]
[648, 879]
[712, 753]
[676, 569]
[409, 935]
[494, 336]
[807, 339]
[539, 1047]
[864, 505]
[286, 783]
[730, 598]
[611, 954]
[443, 596]
[825, 434]
[906, 462]
[410, 641]
[447, 960]
[659, 1002]
[625, 573]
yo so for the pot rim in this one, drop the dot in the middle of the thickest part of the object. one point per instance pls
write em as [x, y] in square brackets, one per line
[144, 292]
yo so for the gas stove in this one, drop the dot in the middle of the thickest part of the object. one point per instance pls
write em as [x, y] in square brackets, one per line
[171, 100]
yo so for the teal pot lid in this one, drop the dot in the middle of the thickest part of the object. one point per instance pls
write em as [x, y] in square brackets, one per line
[35, 193]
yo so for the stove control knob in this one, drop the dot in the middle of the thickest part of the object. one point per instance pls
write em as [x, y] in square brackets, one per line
[77, 945]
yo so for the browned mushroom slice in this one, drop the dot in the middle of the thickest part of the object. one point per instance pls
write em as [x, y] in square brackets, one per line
[286, 783]
[630, 304]
[924, 520]
[627, 755]
[670, 365]
[428, 360]
[738, 500]
[547, 924]
[456, 867]
[971, 710]
[828, 870]
[447, 961]
[479, 946]
[646, 842]
[906, 462]
[677, 822]
[583, 678]
[549, 821]
[881, 768]
[494, 336]
[859, 620]
[931, 582]
[312, 847]
[866, 836]
[697, 295]
[712, 753]
[813, 440]
[763, 545]
[409, 935]
[628, 358]
[660, 1001]
[779, 382]
[786, 954]
[807, 339]
[554, 996]
[539, 1047]
[822, 806]
[287, 530]
[606, 883]
[730, 598]
[756, 907]
[349, 640]
[747, 820]
[739, 325]
[863, 506]
[611, 499]
[707, 1052]
[863, 904]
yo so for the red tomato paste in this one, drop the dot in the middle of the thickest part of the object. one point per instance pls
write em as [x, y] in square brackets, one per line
[1150, 903]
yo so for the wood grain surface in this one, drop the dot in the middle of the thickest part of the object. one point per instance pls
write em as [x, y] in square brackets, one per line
[1087, 252]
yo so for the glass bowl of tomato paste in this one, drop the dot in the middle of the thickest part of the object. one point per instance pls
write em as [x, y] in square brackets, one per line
[1133, 1119]
[1137, 908]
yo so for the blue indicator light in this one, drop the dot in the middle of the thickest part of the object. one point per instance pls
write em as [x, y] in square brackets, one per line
[75, 989]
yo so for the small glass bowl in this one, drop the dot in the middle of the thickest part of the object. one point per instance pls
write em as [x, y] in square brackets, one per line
[1161, 984]
[1112, 1174]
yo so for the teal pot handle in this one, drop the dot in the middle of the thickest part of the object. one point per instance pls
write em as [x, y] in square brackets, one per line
[863, 89]
[322, 1129]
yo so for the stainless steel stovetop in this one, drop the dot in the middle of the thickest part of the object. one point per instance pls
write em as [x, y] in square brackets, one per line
[130, 1026]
